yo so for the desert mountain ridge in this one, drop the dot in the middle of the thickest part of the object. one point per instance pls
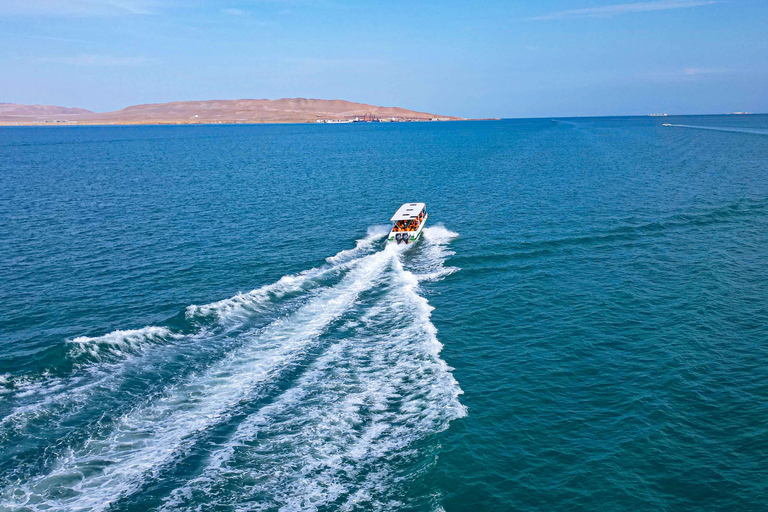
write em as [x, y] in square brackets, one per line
[284, 110]
[18, 109]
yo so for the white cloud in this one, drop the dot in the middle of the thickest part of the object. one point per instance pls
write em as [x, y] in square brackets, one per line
[606, 11]
[92, 60]
[246, 17]
[75, 7]
[232, 11]
[690, 74]
[703, 71]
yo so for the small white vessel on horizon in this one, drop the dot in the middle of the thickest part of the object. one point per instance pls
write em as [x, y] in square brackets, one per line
[408, 223]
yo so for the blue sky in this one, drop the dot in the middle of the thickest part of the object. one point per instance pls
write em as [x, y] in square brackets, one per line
[472, 59]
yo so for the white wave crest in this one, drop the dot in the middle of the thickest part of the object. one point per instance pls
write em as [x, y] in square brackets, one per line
[439, 234]
[118, 343]
[436, 275]
[243, 304]
[429, 265]
[374, 234]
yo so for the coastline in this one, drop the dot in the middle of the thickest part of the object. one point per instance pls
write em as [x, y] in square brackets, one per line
[213, 123]
[243, 111]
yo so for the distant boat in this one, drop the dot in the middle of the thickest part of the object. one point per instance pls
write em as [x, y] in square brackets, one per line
[666, 124]
[408, 223]
[658, 115]
[338, 121]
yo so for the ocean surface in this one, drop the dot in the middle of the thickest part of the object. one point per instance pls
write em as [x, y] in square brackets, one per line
[208, 317]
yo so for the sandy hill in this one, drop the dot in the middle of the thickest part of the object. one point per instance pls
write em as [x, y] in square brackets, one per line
[17, 109]
[286, 110]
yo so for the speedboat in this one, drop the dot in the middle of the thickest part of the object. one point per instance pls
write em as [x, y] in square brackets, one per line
[408, 223]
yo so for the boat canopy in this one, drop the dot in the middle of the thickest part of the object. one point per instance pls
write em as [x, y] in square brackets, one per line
[408, 211]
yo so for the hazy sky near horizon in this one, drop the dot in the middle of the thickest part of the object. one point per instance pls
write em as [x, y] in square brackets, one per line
[472, 59]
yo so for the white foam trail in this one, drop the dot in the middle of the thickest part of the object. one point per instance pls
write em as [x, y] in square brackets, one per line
[148, 438]
[374, 234]
[722, 129]
[243, 304]
[44, 392]
[19, 385]
[430, 265]
[332, 436]
[47, 392]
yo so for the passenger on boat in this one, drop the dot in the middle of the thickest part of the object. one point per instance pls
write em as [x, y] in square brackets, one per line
[401, 225]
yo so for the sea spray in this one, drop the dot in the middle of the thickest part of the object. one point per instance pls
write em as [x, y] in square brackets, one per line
[101, 362]
[430, 266]
[243, 304]
[118, 343]
[152, 436]
[333, 437]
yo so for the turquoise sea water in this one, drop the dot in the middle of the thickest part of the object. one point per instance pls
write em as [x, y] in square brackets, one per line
[208, 318]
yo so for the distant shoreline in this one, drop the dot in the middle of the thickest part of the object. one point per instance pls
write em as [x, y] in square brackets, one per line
[66, 119]
[217, 123]
[243, 111]
[6, 123]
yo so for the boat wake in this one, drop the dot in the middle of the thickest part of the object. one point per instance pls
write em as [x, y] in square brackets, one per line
[721, 129]
[324, 389]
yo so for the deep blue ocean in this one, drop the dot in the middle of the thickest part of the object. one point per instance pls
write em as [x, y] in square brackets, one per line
[209, 318]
